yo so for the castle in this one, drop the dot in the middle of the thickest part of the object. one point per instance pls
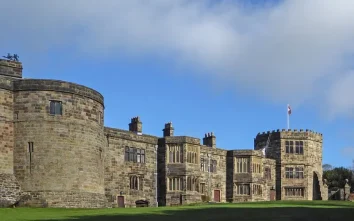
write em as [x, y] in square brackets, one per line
[56, 152]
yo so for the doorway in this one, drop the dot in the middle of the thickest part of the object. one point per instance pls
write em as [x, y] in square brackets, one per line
[121, 203]
[316, 191]
[217, 195]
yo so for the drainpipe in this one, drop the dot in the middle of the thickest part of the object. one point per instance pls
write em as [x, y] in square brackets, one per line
[209, 187]
[157, 202]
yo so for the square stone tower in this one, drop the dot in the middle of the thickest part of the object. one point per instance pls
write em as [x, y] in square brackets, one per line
[298, 156]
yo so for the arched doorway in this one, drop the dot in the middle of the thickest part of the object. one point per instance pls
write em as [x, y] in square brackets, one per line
[316, 191]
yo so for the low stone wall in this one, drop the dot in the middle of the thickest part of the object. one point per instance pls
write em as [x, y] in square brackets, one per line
[63, 200]
[10, 190]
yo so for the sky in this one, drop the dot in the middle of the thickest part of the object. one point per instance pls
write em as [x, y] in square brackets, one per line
[223, 66]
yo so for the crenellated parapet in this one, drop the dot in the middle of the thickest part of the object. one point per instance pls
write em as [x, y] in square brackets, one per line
[182, 139]
[10, 68]
[290, 134]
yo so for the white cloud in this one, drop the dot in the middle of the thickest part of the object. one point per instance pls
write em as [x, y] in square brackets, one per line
[293, 52]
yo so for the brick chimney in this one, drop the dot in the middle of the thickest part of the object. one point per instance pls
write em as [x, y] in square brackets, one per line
[209, 140]
[168, 130]
[136, 125]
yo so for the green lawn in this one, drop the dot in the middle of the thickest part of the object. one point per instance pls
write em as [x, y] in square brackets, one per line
[262, 211]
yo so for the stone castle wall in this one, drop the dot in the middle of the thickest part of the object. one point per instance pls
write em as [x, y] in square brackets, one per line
[254, 177]
[119, 172]
[59, 158]
[310, 160]
[71, 160]
[10, 69]
[9, 187]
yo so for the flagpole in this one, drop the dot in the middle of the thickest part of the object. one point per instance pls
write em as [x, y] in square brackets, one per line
[288, 117]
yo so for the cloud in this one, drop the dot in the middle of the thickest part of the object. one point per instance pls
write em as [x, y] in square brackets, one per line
[290, 52]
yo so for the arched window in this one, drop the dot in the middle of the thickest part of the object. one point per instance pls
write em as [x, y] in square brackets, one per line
[135, 183]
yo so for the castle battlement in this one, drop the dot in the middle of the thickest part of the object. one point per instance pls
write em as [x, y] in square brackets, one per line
[301, 134]
[290, 130]
[10, 68]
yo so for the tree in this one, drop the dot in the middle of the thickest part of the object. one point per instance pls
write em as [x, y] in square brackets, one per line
[326, 167]
[336, 177]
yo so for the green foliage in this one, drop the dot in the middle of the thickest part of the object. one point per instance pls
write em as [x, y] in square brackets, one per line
[327, 167]
[336, 177]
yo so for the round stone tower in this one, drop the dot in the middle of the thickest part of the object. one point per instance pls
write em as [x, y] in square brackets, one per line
[9, 189]
[298, 155]
[59, 141]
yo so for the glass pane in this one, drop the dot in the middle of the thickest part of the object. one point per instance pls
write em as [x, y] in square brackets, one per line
[52, 107]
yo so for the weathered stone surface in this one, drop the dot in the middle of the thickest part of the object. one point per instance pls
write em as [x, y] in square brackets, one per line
[10, 68]
[9, 190]
[72, 160]
[310, 160]
[62, 199]
[119, 171]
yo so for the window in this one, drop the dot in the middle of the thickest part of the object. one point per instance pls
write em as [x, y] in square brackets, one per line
[299, 173]
[100, 119]
[267, 173]
[56, 108]
[256, 168]
[213, 164]
[289, 146]
[135, 155]
[192, 154]
[202, 188]
[294, 173]
[136, 183]
[202, 164]
[289, 172]
[191, 157]
[242, 189]
[257, 189]
[192, 184]
[175, 184]
[297, 191]
[242, 165]
[30, 150]
[175, 154]
[299, 147]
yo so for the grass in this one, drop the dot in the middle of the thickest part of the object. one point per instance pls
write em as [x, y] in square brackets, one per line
[260, 211]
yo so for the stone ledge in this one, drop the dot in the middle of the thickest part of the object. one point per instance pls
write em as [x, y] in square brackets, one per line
[57, 86]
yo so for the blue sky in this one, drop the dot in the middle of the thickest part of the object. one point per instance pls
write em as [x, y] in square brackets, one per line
[229, 67]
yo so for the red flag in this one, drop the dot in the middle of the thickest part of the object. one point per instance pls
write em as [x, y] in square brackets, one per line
[289, 109]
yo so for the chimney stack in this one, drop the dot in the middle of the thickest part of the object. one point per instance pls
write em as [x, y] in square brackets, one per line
[136, 125]
[168, 130]
[209, 140]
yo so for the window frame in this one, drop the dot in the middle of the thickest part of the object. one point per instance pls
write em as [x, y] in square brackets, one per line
[53, 107]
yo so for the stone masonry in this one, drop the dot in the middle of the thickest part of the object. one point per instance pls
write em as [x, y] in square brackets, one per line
[56, 152]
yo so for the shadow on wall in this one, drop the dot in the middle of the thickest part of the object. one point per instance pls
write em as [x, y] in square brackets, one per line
[225, 213]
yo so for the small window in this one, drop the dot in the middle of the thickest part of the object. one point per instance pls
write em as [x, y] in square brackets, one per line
[56, 108]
